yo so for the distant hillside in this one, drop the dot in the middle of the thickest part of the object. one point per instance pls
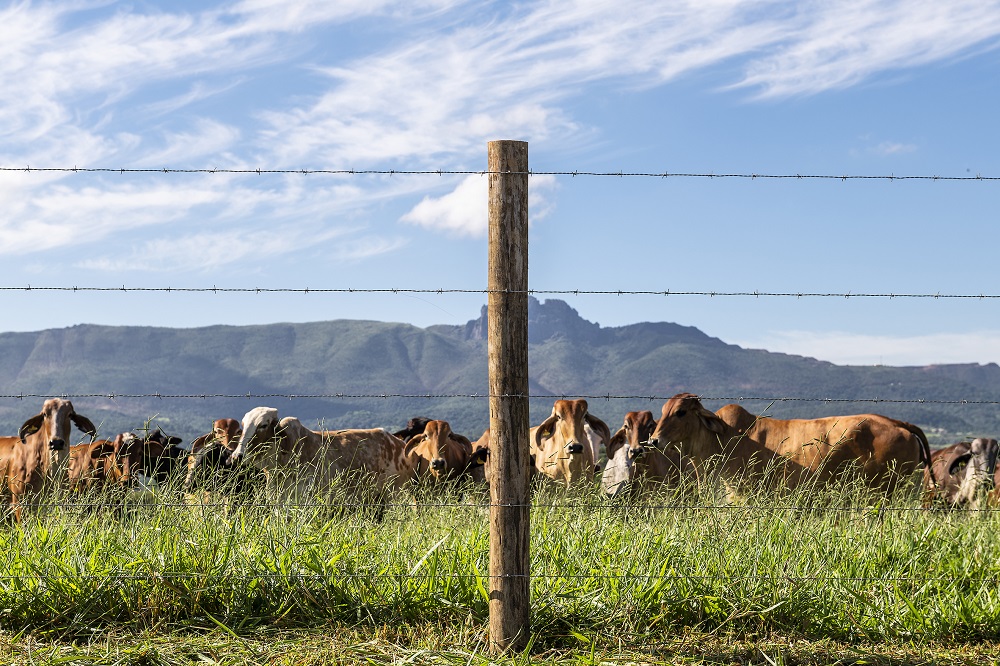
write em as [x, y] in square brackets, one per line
[567, 355]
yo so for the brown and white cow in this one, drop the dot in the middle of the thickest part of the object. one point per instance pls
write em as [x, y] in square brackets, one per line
[437, 454]
[961, 471]
[42, 445]
[634, 465]
[562, 448]
[748, 450]
[303, 461]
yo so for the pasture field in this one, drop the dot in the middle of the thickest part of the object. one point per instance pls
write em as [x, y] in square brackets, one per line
[673, 579]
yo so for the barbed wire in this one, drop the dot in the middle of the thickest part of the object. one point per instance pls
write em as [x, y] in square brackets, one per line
[250, 395]
[611, 505]
[472, 172]
[620, 577]
[531, 292]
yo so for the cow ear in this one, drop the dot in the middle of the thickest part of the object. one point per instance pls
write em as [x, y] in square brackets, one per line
[84, 424]
[413, 444]
[599, 426]
[545, 430]
[479, 456]
[173, 440]
[31, 426]
[198, 444]
[958, 462]
[615, 442]
[711, 421]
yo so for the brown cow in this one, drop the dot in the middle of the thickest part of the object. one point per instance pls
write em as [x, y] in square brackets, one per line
[439, 454]
[41, 446]
[301, 460]
[960, 472]
[93, 466]
[634, 465]
[562, 448]
[210, 454]
[749, 450]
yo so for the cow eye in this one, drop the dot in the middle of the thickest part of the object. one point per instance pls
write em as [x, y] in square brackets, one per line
[681, 412]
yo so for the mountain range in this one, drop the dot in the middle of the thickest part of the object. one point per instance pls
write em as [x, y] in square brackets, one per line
[568, 355]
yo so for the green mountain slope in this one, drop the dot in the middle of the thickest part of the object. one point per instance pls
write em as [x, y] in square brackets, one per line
[568, 356]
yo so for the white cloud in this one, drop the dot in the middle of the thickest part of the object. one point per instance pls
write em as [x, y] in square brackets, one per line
[892, 148]
[463, 211]
[858, 349]
[464, 74]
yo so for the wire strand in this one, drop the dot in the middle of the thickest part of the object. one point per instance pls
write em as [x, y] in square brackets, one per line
[530, 292]
[468, 172]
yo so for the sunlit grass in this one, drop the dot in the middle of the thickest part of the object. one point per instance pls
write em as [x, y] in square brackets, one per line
[839, 565]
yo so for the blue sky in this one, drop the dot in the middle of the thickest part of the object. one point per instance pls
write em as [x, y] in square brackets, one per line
[860, 87]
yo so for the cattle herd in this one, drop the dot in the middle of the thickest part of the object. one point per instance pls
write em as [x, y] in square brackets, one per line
[688, 448]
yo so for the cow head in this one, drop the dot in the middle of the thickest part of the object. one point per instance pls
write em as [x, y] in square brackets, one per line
[152, 454]
[973, 470]
[684, 421]
[53, 424]
[414, 427]
[260, 426]
[438, 452]
[567, 423]
[624, 449]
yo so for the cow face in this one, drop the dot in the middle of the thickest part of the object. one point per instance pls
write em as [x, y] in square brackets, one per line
[636, 431]
[154, 454]
[54, 424]
[566, 424]
[973, 471]
[227, 433]
[685, 423]
[260, 426]
[438, 452]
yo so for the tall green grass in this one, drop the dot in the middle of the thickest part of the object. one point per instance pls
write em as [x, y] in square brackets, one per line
[841, 564]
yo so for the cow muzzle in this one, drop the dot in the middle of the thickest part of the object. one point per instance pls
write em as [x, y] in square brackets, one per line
[437, 464]
[636, 452]
[56, 445]
[575, 448]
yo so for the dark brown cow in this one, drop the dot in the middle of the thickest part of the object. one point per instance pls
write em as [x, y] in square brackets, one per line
[152, 454]
[634, 465]
[438, 454]
[41, 446]
[563, 449]
[960, 472]
[414, 427]
[748, 449]
[209, 456]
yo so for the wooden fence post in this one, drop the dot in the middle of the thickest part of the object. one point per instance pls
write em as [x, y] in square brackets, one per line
[507, 341]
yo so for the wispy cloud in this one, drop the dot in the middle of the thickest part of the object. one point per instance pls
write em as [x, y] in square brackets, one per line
[853, 349]
[104, 87]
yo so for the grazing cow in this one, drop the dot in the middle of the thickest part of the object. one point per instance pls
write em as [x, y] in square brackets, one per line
[633, 464]
[41, 446]
[748, 449]
[438, 454]
[93, 466]
[301, 460]
[960, 471]
[208, 459]
[563, 451]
